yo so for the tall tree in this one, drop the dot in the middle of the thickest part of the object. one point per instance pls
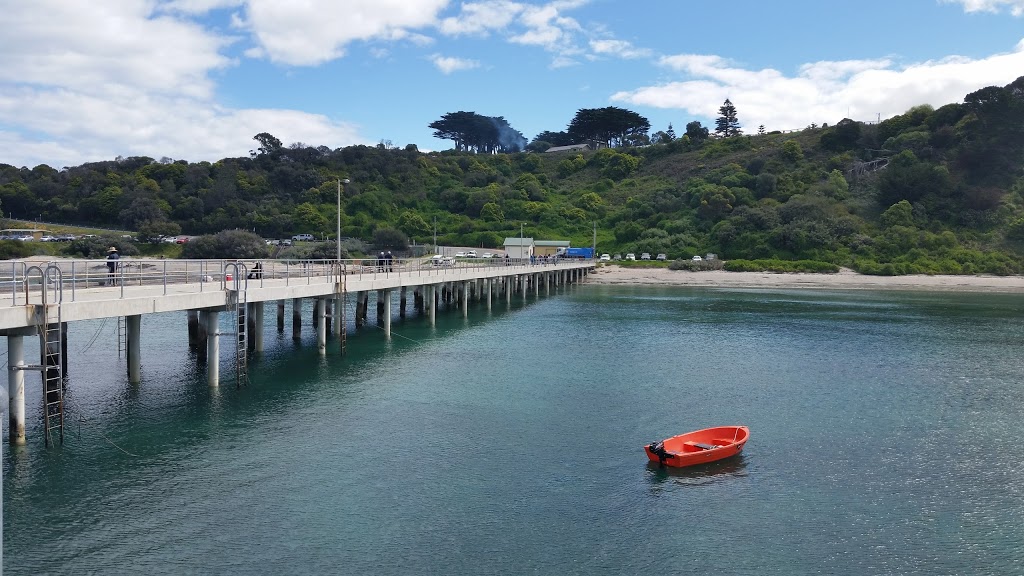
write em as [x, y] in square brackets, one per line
[610, 126]
[473, 132]
[268, 144]
[726, 124]
[696, 132]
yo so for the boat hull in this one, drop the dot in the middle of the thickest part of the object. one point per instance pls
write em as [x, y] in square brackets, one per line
[699, 446]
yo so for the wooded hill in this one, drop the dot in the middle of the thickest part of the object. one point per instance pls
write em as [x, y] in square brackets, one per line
[928, 191]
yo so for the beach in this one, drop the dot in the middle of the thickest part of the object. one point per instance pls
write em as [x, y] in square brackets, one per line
[845, 279]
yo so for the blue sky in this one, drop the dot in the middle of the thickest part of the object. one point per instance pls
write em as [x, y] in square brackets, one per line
[197, 79]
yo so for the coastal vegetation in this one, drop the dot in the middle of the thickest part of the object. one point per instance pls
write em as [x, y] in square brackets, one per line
[932, 190]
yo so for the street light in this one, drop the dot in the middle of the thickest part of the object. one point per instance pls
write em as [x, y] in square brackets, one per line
[337, 238]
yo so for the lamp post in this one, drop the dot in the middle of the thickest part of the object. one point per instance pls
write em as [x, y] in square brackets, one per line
[521, 242]
[337, 238]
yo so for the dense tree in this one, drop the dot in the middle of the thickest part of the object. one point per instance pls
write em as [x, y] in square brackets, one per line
[268, 144]
[390, 239]
[696, 132]
[610, 126]
[472, 132]
[228, 244]
[726, 124]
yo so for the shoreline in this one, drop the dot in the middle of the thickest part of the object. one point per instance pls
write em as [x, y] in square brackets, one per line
[845, 279]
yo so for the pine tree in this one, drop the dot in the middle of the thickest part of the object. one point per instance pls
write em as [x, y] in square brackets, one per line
[760, 129]
[670, 132]
[727, 125]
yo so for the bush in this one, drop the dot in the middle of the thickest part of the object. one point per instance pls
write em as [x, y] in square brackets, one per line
[226, 245]
[10, 249]
[781, 266]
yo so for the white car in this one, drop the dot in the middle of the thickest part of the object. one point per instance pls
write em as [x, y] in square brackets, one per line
[471, 254]
[661, 257]
[605, 257]
[460, 254]
[645, 256]
[696, 258]
[444, 261]
[630, 256]
[487, 255]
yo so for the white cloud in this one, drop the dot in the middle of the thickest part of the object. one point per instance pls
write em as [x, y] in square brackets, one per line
[822, 91]
[480, 18]
[85, 82]
[316, 31]
[619, 48]
[199, 6]
[1016, 7]
[448, 64]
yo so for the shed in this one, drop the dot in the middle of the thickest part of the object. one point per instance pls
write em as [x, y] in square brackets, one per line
[516, 247]
[549, 247]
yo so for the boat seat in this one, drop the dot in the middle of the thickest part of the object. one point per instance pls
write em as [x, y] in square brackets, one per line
[701, 445]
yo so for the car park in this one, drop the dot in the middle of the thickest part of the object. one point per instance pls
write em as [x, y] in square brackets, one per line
[605, 257]
[661, 257]
[645, 256]
[630, 256]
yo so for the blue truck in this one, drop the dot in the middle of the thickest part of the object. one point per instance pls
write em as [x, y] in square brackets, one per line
[577, 253]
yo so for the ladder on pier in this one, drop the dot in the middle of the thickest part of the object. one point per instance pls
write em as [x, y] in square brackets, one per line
[49, 323]
[239, 283]
[122, 337]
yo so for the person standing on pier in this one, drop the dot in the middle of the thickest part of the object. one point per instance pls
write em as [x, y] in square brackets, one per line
[112, 258]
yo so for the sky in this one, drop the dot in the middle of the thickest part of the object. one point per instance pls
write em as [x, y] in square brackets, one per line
[197, 79]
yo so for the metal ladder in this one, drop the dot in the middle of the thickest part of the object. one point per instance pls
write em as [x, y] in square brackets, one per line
[51, 344]
[122, 337]
[239, 283]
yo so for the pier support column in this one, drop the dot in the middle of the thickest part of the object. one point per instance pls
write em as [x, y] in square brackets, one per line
[193, 329]
[337, 315]
[536, 284]
[133, 327]
[432, 302]
[465, 299]
[523, 279]
[16, 389]
[296, 318]
[489, 287]
[547, 283]
[257, 326]
[387, 313]
[202, 336]
[320, 309]
[280, 315]
[212, 348]
[507, 285]
[380, 307]
[401, 302]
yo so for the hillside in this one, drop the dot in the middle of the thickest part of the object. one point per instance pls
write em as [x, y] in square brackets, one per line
[929, 191]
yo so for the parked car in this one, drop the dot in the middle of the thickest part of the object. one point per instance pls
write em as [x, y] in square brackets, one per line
[303, 238]
[471, 254]
[696, 258]
[182, 240]
[442, 261]
[460, 254]
[661, 257]
[617, 257]
[605, 257]
[645, 256]
[630, 256]
[487, 255]
[285, 242]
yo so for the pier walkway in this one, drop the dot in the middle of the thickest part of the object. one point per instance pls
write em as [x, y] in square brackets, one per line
[39, 299]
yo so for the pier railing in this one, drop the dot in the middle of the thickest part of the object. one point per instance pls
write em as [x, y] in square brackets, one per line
[179, 276]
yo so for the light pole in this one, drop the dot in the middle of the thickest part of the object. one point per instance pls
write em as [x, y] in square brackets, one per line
[337, 238]
[521, 241]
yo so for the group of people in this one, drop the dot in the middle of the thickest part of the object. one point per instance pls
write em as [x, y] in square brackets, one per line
[384, 262]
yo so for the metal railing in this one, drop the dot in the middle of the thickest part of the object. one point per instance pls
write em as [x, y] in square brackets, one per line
[186, 276]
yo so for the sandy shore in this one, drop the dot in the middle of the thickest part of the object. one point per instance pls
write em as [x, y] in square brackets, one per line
[844, 280]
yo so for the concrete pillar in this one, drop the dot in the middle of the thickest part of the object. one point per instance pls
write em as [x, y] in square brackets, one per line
[203, 336]
[213, 348]
[547, 283]
[337, 316]
[432, 302]
[465, 299]
[133, 326]
[296, 318]
[536, 284]
[387, 312]
[64, 348]
[489, 287]
[280, 315]
[401, 302]
[523, 279]
[193, 329]
[320, 308]
[16, 389]
[257, 326]
[507, 281]
[380, 307]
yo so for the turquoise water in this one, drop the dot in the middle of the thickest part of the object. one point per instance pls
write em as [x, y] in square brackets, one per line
[885, 440]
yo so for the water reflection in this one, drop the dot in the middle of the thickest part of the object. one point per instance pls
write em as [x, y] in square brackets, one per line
[700, 475]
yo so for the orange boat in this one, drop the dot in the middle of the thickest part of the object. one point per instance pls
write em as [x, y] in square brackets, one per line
[699, 447]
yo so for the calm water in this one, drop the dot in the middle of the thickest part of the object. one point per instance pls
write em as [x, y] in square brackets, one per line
[885, 440]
